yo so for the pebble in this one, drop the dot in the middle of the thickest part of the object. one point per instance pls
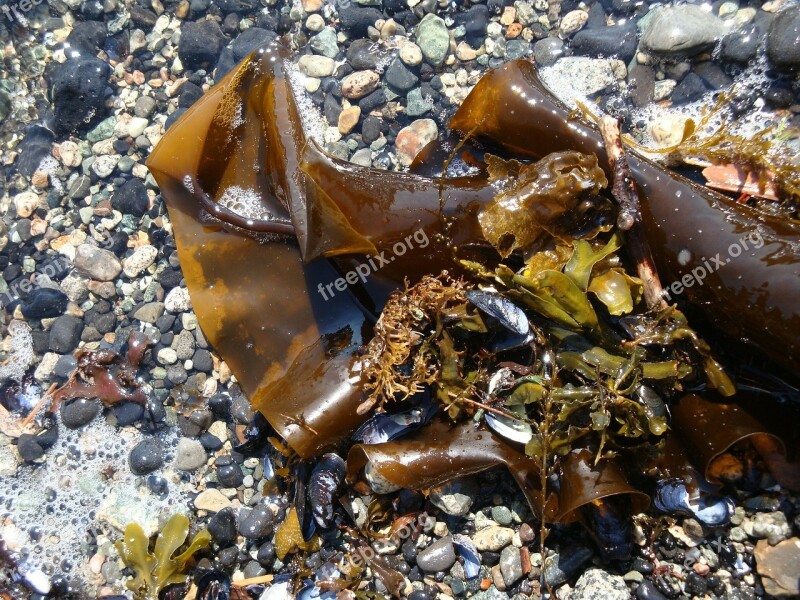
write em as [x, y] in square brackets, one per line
[230, 475]
[596, 584]
[561, 566]
[511, 565]
[493, 538]
[257, 524]
[200, 44]
[97, 263]
[455, 497]
[771, 526]
[783, 39]
[65, 334]
[647, 591]
[410, 54]
[325, 43]
[178, 300]
[131, 198]
[614, 41]
[433, 39]
[222, 527]
[314, 65]
[348, 119]
[136, 263]
[417, 104]
[413, 138]
[360, 83]
[25, 203]
[572, 22]
[548, 50]
[587, 76]
[146, 457]
[150, 312]
[28, 448]
[189, 455]
[502, 514]
[44, 303]
[79, 412]
[78, 90]
[399, 77]
[439, 556]
[684, 29]
[211, 500]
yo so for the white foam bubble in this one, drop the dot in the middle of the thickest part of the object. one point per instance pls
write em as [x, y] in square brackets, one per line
[85, 488]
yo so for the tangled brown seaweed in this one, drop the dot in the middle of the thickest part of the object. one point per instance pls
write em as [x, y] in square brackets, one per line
[588, 372]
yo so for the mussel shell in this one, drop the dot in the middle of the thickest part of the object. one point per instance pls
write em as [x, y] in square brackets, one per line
[508, 314]
[671, 497]
[467, 550]
[323, 486]
[385, 427]
[213, 585]
[513, 430]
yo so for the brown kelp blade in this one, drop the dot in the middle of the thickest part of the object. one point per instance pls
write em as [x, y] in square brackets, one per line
[256, 302]
[441, 452]
[583, 482]
[741, 267]
[709, 429]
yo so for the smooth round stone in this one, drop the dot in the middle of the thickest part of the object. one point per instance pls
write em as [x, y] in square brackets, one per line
[189, 455]
[439, 556]
[230, 475]
[146, 457]
[79, 412]
[222, 527]
[44, 303]
[257, 524]
[548, 51]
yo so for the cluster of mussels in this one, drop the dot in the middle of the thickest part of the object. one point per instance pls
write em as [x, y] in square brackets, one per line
[518, 336]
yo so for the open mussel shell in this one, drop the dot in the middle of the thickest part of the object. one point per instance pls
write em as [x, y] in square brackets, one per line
[467, 550]
[511, 429]
[582, 483]
[385, 427]
[672, 497]
[709, 429]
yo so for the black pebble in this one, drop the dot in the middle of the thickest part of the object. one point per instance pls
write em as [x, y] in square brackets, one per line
[29, 448]
[400, 77]
[88, 36]
[692, 87]
[128, 413]
[78, 91]
[648, 591]
[617, 41]
[201, 44]
[230, 475]
[146, 457]
[372, 101]
[36, 144]
[257, 524]
[266, 555]
[79, 412]
[370, 129]
[202, 360]
[44, 303]
[227, 557]
[222, 527]
[355, 20]
[361, 55]
[220, 405]
[210, 442]
[131, 198]
[65, 334]
[158, 485]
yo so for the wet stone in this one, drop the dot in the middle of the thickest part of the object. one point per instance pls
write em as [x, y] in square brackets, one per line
[65, 334]
[502, 514]
[146, 457]
[439, 556]
[510, 565]
[648, 591]
[596, 584]
[266, 555]
[564, 565]
[44, 303]
[29, 449]
[493, 538]
[79, 412]
[257, 523]
[230, 475]
[222, 527]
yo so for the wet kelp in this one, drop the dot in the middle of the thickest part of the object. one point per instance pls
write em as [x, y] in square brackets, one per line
[266, 222]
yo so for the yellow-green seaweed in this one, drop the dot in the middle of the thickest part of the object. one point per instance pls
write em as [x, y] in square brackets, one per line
[159, 569]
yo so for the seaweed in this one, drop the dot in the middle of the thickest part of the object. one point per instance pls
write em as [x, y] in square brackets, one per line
[154, 571]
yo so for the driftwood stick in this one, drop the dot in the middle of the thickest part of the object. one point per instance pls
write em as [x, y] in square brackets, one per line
[630, 214]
